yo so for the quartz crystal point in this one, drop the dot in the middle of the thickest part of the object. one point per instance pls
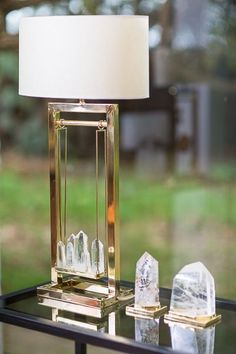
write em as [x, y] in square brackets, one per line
[70, 254]
[195, 341]
[97, 257]
[147, 282]
[147, 330]
[82, 255]
[71, 239]
[193, 292]
[61, 255]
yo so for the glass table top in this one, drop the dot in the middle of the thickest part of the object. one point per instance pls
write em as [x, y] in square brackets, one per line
[151, 332]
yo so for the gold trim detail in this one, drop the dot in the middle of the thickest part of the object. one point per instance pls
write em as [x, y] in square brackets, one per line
[202, 322]
[78, 296]
[145, 312]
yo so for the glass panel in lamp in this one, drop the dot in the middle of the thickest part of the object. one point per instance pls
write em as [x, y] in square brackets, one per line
[82, 185]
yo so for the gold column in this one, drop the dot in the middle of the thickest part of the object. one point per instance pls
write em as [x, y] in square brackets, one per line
[52, 145]
[113, 240]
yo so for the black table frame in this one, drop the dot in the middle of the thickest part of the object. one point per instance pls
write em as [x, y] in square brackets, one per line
[82, 336]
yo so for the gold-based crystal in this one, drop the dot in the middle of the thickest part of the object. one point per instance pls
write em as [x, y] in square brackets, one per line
[147, 302]
[193, 297]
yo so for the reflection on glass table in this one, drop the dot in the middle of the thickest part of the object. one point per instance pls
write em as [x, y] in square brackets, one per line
[147, 330]
[195, 340]
[120, 332]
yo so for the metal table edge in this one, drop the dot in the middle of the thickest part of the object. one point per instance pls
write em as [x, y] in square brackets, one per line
[79, 334]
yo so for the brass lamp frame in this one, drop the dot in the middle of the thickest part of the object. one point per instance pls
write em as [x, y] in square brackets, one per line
[80, 293]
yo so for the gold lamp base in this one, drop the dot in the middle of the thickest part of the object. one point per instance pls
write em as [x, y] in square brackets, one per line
[82, 296]
[202, 322]
[145, 312]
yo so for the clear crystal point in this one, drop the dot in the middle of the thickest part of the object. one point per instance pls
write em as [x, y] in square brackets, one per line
[193, 291]
[147, 330]
[80, 243]
[84, 264]
[97, 257]
[196, 341]
[76, 247]
[71, 239]
[70, 254]
[61, 255]
[82, 255]
[147, 282]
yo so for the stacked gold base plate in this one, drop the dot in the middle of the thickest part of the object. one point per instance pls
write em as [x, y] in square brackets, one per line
[147, 312]
[82, 297]
[203, 321]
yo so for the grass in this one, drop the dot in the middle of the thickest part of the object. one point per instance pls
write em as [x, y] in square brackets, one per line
[177, 221]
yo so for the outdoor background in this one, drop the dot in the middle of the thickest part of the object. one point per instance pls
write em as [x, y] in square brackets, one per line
[177, 149]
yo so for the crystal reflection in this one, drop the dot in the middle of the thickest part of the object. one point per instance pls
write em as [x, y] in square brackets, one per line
[147, 330]
[197, 341]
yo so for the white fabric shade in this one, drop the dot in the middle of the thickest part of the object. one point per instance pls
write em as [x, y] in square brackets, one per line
[84, 57]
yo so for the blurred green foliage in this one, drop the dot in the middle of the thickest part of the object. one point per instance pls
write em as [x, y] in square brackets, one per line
[177, 221]
[22, 125]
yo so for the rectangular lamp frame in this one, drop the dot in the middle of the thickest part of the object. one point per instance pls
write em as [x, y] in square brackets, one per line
[57, 293]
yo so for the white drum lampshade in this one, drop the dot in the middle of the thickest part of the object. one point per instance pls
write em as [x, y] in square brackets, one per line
[84, 57]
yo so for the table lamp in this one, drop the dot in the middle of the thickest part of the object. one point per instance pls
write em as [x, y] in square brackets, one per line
[79, 58]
